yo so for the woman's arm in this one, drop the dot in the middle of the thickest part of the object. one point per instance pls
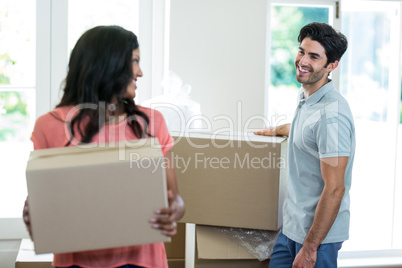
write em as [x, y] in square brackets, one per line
[25, 216]
[176, 208]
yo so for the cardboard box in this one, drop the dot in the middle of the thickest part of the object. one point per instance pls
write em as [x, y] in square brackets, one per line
[175, 249]
[176, 263]
[232, 180]
[210, 248]
[212, 244]
[26, 257]
[85, 198]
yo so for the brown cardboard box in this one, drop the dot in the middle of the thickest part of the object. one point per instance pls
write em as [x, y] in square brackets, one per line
[212, 249]
[212, 244]
[84, 198]
[27, 258]
[232, 180]
[176, 263]
[175, 249]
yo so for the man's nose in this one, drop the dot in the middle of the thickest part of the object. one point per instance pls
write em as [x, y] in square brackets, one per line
[304, 60]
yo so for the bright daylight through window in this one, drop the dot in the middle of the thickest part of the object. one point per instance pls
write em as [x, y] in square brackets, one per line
[17, 100]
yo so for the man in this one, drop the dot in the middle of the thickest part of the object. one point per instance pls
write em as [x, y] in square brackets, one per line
[321, 151]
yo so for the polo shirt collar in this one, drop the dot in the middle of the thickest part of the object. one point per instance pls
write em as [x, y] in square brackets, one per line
[316, 96]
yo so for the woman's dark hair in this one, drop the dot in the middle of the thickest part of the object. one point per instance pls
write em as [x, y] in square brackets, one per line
[99, 71]
[334, 42]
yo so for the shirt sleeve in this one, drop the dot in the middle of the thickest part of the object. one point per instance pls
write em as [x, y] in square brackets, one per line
[334, 133]
[49, 130]
[161, 131]
[38, 136]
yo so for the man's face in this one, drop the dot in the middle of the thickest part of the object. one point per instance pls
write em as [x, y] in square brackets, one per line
[311, 63]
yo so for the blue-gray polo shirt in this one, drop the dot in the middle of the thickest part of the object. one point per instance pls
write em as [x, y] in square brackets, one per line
[322, 127]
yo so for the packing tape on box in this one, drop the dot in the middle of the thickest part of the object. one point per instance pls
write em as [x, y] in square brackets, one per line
[258, 243]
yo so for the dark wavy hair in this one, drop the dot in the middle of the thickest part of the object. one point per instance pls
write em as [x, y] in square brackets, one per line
[99, 71]
[334, 42]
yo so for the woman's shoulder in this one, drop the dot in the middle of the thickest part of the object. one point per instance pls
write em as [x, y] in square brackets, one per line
[55, 118]
[64, 113]
[49, 129]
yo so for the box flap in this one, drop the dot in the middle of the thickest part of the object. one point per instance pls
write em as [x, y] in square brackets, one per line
[96, 147]
[238, 136]
[93, 154]
[212, 244]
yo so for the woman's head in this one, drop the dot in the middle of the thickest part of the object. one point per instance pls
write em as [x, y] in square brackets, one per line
[103, 69]
[101, 66]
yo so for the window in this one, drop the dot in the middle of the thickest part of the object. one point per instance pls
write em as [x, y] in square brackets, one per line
[371, 81]
[17, 100]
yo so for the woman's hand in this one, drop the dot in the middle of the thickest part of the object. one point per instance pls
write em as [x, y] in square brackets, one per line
[25, 216]
[167, 217]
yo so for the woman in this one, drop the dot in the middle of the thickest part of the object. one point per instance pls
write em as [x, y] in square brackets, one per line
[97, 107]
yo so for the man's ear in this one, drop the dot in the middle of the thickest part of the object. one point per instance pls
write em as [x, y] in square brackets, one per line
[332, 66]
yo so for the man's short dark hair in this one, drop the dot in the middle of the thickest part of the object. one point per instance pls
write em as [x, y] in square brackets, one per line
[334, 42]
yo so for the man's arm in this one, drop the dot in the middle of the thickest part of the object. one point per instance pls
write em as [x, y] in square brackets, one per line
[333, 172]
[282, 130]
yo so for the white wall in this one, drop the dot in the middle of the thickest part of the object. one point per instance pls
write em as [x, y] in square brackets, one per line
[218, 47]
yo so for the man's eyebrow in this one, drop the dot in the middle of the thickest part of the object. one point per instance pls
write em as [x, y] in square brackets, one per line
[311, 53]
[315, 54]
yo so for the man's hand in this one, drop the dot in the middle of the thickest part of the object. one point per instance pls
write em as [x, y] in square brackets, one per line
[269, 131]
[306, 258]
[282, 130]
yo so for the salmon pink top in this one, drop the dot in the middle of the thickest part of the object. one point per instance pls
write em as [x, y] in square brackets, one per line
[52, 130]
